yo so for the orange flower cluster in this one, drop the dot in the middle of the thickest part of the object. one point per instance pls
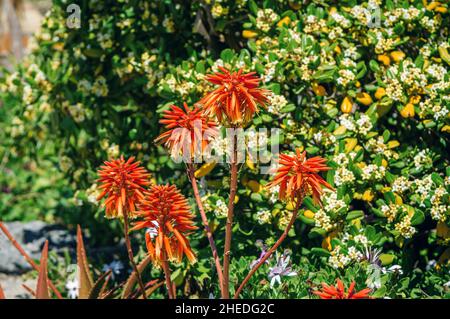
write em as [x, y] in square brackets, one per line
[188, 131]
[298, 177]
[236, 99]
[167, 217]
[123, 184]
[338, 292]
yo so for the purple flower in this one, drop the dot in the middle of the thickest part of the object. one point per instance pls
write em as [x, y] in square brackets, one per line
[281, 269]
[372, 255]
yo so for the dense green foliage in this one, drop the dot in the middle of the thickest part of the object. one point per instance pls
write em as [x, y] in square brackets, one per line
[374, 101]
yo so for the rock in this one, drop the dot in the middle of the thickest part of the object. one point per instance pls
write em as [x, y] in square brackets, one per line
[13, 286]
[31, 236]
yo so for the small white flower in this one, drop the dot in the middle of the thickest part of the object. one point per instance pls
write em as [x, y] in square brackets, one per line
[394, 269]
[72, 287]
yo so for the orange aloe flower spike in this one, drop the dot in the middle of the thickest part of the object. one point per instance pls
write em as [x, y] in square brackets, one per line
[188, 131]
[122, 183]
[298, 176]
[166, 215]
[338, 292]
[236, 99]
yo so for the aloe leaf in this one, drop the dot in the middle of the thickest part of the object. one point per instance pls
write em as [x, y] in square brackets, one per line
[85, 278]
[2, 294]
[99, 285]
[42, 286]
[132, 280]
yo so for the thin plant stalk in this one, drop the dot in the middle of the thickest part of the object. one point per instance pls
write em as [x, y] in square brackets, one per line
[131, 255]
[28, 258]
[191, 172]
[169, 285]
[270, 251]
[229, 225]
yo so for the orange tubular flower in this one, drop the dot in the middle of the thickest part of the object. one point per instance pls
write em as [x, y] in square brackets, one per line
[123, 184]
[338, 292]
[237, 97]
[298, 176]
[167, 217]
[188, 131]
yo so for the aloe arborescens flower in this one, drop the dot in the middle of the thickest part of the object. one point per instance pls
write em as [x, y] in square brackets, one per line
[236, 99]
[234, 102]
[166, 212]
[338, 292]
[298, 176]
[123, 184]
[188, 131]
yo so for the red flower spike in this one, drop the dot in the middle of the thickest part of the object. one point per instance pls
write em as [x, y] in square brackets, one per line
[298, 176]
[188, 131]
[338, 292]
[123, 184]
[236, 99]
[166, 214]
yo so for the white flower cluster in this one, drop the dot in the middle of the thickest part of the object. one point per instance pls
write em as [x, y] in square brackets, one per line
[406, 14]
[313, 24]
[361, 239]
[27, 95]
[423, 188]
[77, 111]
[256, 140]
[276, 103]
[373, 172]
[322, 220]
[354, 254]
[345, 77]
[343, 176]
[218, 10]
[341, 159]
[269, 71]
[362, 126]
[351, 53]
[394, 89]
[331, 202]
[401, 184]
[405, 228]
[264, 216]
[265, 19]
[274, 193]
[182, 87]
[422, 158]
[391, 211]
[337, 259]
[437, 71]
[218, 147]
[92, 193]
[439, 209]
[377, 146]
[284, 219]
[219, 208]
[341, 20]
